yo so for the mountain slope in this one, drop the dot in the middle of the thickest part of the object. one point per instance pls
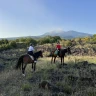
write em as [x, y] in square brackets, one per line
[63, 34]
[67, 34]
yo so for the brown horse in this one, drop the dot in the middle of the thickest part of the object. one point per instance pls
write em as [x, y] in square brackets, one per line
[26, 59]
[61, 54]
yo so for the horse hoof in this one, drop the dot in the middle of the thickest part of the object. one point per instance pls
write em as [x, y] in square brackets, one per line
[23, 75]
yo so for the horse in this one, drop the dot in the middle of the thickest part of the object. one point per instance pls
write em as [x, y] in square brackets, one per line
[26, 59]
[61, 54]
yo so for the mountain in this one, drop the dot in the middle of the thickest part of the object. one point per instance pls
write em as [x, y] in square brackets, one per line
[63, 34]
[66, 34]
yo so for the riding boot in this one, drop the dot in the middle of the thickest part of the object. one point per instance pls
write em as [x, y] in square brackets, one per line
[35, 60]
[59, 52]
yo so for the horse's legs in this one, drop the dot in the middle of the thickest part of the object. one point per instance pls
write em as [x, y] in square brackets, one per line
[23, 71]
[34, 66]
[22, 66]
[61, 60]
[54, 59]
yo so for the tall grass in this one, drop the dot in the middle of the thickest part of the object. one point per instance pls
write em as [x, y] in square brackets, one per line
[12, 83]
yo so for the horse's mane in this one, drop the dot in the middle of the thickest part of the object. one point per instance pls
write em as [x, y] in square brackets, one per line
[36, 53]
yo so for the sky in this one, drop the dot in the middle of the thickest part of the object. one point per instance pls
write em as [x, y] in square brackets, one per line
[36, 17]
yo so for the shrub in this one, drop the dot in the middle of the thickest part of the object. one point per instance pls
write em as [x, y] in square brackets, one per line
[26, 87]
[12, 44]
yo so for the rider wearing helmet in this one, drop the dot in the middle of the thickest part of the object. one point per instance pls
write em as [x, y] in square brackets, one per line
[30, 51]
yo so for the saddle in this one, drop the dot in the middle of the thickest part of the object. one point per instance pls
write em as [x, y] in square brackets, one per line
[31, 57]
[56, 52]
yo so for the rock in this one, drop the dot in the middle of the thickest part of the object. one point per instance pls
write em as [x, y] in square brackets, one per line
[49, 86]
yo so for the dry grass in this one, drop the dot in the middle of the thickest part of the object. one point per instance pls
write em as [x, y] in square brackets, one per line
[12, 83]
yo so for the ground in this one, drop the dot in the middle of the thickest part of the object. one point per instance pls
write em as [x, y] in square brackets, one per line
[76, 78]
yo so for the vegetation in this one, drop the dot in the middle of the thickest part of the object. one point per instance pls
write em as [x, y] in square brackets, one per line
[8, 44]
[66, 78]
[76, 78]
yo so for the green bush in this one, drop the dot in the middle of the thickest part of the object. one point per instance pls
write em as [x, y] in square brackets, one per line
[12, 44]
[26, 87]
[91, 93]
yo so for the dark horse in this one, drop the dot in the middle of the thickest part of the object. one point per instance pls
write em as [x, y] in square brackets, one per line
[61, 54]
[26, 59]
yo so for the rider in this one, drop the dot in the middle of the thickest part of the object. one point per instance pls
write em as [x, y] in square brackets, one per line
[58, 47]
[30, 52]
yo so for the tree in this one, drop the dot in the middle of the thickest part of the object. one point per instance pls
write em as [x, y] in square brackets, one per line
[93, 39]
[30, 40]
[12, 44]
[49, 39]
[4, 41]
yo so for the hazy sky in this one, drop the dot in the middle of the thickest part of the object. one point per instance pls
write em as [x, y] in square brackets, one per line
[35, 17]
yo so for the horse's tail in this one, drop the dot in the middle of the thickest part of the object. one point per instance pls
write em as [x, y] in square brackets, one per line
[20, 61]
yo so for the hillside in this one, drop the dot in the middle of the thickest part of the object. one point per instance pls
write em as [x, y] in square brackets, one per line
[67, 34]
[75, 78]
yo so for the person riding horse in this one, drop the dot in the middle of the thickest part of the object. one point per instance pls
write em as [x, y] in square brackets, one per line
[58, 47]
[30, 52]
[26, 59]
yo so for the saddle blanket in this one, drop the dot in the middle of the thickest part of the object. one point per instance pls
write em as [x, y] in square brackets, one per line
[56, 52]
[31, 57]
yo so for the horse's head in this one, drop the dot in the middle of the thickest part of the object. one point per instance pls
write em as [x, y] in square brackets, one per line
[69, 51]
[41, 53]
[38, 54]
